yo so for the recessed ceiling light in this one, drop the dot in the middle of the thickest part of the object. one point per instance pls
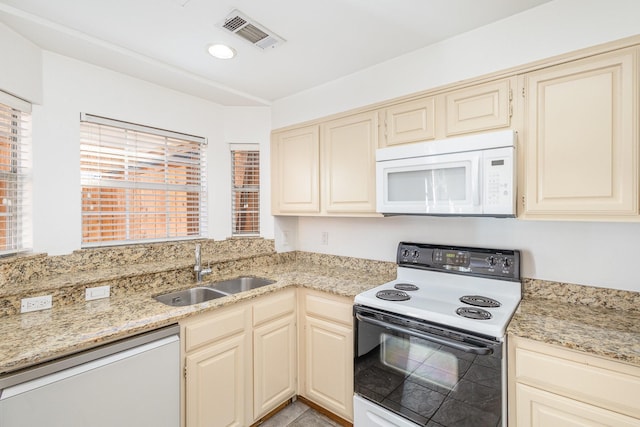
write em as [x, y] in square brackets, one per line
[221, 51]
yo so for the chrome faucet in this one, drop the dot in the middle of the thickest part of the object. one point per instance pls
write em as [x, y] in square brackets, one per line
[200, 272]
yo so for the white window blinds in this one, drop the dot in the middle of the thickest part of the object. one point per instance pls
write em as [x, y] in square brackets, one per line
[15, 175]
[245, 191]
[140, 184]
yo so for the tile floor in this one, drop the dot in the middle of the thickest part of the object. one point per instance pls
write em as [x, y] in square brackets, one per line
[298, 414]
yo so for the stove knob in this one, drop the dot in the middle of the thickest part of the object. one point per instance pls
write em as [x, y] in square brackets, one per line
[492, 261]
[405, 253]
[416, 254]
[506, 263]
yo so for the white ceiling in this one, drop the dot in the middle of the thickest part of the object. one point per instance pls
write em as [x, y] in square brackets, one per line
[165, 41]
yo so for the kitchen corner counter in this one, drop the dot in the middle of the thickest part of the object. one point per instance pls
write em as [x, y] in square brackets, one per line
[36, 337]
[601, 328]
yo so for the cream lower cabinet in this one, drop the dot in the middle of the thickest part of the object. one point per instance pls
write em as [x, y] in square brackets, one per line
[240, 361]
[326, 347]
[217, 380]
[274, 351]
[550, 386]
[580, 143]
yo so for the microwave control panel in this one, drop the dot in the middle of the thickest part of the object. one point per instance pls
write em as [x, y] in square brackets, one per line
[498, 192]
[492, 263]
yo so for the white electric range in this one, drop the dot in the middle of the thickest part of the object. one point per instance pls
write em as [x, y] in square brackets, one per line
[429, 344]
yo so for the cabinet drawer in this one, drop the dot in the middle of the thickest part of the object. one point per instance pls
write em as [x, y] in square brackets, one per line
[604, 386]
[541, 408]
[337, 309]
[274, 306]
[214, 327]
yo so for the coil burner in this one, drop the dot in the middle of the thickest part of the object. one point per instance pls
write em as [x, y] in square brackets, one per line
[480, 301]
[473, 313]
[406, 287]
[392, 295]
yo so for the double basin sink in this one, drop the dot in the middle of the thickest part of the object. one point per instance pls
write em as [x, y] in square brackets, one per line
[212, 291]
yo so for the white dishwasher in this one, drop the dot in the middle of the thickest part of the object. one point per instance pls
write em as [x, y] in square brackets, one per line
[134, 382]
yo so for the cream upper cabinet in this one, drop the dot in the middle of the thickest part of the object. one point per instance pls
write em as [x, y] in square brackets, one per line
[295, 171]
[580, 145]
[481, 107]
[326, 351]
[550, 386]
[407, 122]
[348, 164]
[326, 169]
[274, 348]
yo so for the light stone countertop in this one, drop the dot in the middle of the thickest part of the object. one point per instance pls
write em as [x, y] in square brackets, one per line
[596, 321]
[600, 331]
[36, 337]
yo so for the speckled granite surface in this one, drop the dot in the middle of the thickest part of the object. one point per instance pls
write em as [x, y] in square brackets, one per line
[601, 322]
[31, 338]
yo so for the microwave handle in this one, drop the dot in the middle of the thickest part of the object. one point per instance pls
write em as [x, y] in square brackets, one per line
[483, 351]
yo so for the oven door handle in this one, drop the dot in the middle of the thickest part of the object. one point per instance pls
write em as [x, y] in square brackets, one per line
[483, 351]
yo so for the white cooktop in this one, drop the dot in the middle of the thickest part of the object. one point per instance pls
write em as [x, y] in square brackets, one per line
[438, 295]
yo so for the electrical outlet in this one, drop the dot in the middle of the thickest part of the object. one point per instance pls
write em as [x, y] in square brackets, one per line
[97, 292]
[325, 237]
[35, 303]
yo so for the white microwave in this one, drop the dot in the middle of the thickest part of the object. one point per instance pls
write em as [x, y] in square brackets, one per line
[464, 176]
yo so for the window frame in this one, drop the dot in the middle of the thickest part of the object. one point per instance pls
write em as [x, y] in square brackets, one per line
[155, 180]
[18, 176]
[252, 161]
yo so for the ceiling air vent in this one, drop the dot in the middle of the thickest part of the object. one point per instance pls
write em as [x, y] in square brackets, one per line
[251, 31]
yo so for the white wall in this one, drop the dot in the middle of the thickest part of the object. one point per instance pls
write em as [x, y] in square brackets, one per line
[21, 72]
[598, 254]
[250, 125]
[551, 29]
[71, 87]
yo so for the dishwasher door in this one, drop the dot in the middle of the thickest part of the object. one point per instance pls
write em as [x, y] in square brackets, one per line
[134, 382]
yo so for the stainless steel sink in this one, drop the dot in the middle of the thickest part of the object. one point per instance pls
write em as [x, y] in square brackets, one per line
[190, 296]
[212, 291]
[240, 284]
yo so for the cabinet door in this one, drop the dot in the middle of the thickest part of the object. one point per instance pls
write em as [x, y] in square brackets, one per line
[409, 122]
[216, 384]
[329, 365]
[295, 171]
[348, 164]
[538, 408]
[477, 108]
[274, 364]
[580, 147]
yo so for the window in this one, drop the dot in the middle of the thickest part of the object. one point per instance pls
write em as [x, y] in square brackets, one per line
[140, 184]
[15, 173]
[245, 191]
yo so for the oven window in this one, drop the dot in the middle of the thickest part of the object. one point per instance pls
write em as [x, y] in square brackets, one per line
[424, 381]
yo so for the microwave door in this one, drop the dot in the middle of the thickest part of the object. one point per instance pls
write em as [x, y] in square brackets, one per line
[434, 185]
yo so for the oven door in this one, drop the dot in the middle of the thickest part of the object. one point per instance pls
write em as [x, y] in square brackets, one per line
[425, 372]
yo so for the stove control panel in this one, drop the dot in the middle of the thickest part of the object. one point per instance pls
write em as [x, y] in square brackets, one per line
[484, 262]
